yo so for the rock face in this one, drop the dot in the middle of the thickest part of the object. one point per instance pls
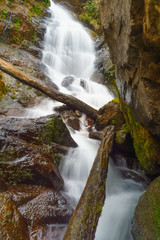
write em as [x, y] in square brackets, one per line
[12, 224]
[147, 214]
[132, 31]
[83, 223]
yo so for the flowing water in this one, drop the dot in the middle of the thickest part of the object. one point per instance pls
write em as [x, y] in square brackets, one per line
[69, 51]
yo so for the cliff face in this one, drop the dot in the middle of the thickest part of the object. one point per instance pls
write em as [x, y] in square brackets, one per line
[132, 31]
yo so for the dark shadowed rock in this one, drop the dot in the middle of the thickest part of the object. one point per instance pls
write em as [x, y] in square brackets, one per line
[12, 225]
[71, 119]
[96, 135]
[3, 185]
[48, 207]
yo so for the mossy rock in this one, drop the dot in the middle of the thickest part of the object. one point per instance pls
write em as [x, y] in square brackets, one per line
[12, 224]
[147, 214]
[146, 146]
[56, 131]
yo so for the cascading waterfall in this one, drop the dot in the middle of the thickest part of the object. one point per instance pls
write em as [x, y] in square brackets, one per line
[69, 51]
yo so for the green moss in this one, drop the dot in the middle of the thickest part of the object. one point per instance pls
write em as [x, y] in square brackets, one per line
[146, 147]
[17, 23]
[37, 9]
[3, 88]
[4, 14]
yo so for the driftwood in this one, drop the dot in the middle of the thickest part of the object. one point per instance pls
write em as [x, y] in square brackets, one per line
[50, 91]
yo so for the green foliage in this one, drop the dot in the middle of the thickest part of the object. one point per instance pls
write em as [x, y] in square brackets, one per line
[17, 39]
[17, 23]
[37, 9]
[34, 37]
[46, 3]
[91, 7]
[4, 14]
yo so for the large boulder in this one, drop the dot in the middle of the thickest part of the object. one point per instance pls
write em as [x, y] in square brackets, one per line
[109, 114]
[147, 213]
[44, 130]
[12, 225]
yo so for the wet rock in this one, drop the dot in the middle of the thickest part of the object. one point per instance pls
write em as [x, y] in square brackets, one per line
[27, 163]
[99, 43]
[67, 81]
[71, 119]
[83, 83]
[44, 130]
[109, 114]
[49, 207]
[147, 213]
[21, 194]
[12, 224]
[83, 223]
[96, 135]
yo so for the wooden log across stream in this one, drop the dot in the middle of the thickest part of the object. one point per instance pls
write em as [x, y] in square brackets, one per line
[50, 91]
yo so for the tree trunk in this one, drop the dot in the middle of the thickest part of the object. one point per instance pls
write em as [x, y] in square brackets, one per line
[51, 92]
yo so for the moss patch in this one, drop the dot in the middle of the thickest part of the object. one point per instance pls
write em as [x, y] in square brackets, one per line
[147, 214]
[3, 88]
[146, 147]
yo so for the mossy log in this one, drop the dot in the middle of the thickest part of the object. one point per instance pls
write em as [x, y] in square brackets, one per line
[83, 223]
[51, 92]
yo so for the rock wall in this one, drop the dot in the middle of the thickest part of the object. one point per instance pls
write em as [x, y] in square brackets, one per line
[132, 31]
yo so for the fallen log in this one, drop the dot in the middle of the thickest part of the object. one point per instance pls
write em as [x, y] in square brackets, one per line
[83, 223]
[50, 91]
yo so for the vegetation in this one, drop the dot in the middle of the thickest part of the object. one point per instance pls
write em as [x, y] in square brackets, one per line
[90, 15]
[145, 145]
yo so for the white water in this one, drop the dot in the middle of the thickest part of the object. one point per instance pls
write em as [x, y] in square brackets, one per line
[69, 51]
[121, 199]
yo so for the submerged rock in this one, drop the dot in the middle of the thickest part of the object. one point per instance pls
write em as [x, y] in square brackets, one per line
[67, 81]
[12, 225]
[147, 213]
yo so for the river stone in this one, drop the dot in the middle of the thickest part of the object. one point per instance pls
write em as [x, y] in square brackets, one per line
[67, 81]
[49, 207]
[147, 214]
[83, 223]
[12, 225]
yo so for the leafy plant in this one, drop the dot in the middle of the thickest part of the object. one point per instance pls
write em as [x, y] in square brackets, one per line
[17, 22]
[37, 9]
[4, 14]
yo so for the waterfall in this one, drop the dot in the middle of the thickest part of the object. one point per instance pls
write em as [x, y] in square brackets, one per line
[69, 52]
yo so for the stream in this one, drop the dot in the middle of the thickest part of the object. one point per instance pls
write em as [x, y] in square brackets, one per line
[69, 52]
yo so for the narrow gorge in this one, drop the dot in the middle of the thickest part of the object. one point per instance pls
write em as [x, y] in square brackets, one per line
[79, 120]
